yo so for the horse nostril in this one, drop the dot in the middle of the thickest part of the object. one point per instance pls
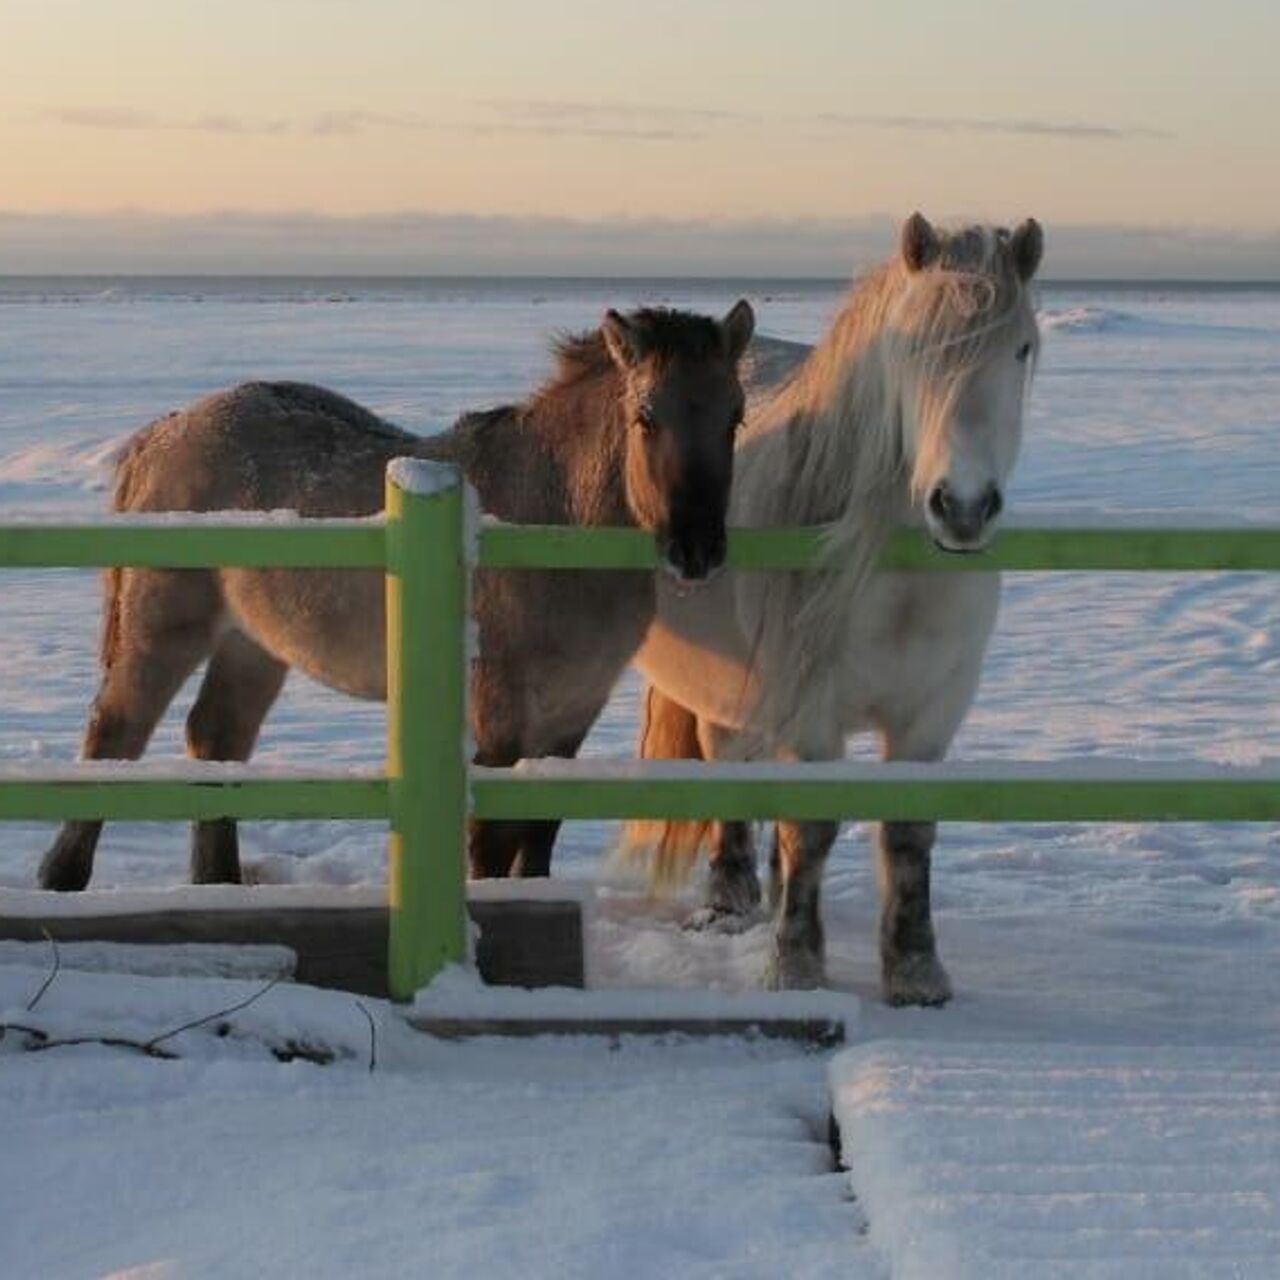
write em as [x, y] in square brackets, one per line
[689, 568]
[939, 502]
[992, 505]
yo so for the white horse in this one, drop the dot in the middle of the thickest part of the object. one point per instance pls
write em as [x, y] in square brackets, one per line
[909, 411]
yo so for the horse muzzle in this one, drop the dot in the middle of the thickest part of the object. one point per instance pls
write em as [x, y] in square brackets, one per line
[962, 525]
[693, 561]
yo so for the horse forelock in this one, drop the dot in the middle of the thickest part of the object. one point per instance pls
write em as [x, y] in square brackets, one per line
[962, 315]
[663, 334]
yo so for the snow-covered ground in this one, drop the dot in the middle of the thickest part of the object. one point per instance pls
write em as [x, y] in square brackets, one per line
[999, 1162]
[495, 1159]
[1098, 948]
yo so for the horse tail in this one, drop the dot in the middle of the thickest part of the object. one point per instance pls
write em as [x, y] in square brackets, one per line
[668, 731]
[123, 497]
[109, 645]
[136, 463]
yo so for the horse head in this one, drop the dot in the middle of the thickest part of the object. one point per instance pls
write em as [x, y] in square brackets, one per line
[963, 351]
[683, 404]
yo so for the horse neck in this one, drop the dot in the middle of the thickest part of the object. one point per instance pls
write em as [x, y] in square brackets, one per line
[557, 458]
[831, 432]
[578, 426]
[827, 450]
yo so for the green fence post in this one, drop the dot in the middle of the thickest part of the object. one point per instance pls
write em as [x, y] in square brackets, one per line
[426, 720]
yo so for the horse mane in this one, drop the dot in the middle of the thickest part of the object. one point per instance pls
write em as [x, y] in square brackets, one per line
[574, 423]
[663, 333]
[828, 449]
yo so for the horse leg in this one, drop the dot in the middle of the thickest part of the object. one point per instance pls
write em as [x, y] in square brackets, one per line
[798, 958]
[497, 725]
[775, 870]
[160, 626]
[799, 857]
[534, 846]
[493, 846]
[240, 686]
[733, 887]
[910, 971]
[539, 837]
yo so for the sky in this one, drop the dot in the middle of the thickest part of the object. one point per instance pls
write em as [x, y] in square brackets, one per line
[668, 136]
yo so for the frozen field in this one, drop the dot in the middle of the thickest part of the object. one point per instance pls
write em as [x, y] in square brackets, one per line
[1109, 950]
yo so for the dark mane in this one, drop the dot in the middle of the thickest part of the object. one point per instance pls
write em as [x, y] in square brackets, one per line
[664, 333]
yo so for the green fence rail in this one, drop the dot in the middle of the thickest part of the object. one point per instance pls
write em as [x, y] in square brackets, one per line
[1105, 791]
[249, 541]
[424, 547]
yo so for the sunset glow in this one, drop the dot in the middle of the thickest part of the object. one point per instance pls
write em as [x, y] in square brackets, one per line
[1095, 116]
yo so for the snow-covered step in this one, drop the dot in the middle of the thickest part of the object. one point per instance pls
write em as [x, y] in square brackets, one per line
[985, 1162]
[179, 960]
[529, 933]
[458, 1006]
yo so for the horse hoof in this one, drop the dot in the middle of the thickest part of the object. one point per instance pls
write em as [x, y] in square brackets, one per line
[735, 892]
[62, 875]
[916, 980]
[795, 972]
[716, 919]
[218, 875]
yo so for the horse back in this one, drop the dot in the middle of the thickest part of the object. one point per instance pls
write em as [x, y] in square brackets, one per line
[262, 446]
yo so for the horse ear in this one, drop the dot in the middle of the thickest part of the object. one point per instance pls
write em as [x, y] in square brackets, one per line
[621, 339]
[1027, 248]
[919, 242]
[737, 327]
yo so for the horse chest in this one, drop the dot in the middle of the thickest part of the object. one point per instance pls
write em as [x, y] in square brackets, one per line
[913, 638]
[552, 646]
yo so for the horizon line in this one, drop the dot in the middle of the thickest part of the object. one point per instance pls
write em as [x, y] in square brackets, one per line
[586, 278]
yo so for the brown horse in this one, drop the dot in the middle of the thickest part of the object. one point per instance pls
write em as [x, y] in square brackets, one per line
[636, 427]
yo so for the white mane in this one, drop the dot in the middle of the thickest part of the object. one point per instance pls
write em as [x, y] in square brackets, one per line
[829, 448]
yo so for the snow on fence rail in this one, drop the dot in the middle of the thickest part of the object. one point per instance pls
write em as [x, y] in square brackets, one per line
[422, 545]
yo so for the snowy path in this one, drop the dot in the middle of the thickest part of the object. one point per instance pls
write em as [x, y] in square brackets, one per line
[534, 1158]
[1064, 1108]
[1005, 1162]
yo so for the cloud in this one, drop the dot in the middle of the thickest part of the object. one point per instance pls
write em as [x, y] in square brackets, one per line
[612, 119]
[419, 243]
[961, 124]
[544, 119]
[129, 120]
[600, 115]
[101, 117]
[610, 111]
[345, 123]
[552, 123]
[622, 121]
[965, 124]
[427, 243]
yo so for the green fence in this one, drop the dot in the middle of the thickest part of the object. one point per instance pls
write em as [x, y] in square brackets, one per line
[427, 546]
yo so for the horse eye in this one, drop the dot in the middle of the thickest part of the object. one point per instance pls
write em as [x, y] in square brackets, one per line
[648, 424]
[1024, 353]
